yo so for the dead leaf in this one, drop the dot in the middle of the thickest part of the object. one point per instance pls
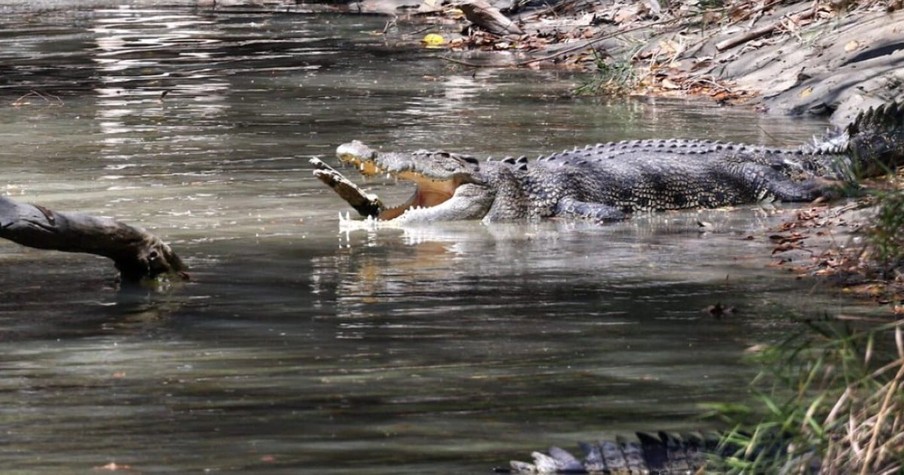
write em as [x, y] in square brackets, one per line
[782, 238]
[757, 348]
[668, 84]
[671, 47]
[787, 246]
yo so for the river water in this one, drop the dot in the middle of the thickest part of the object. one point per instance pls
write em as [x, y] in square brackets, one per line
[299, 348]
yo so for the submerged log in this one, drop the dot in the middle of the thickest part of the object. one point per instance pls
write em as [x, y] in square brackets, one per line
[137, 254]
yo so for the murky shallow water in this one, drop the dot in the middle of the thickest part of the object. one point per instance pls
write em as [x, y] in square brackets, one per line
[299, 348]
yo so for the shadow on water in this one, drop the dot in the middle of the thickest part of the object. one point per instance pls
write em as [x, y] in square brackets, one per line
[300, 348]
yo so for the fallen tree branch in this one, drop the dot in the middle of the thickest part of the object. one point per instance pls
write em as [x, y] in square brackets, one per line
[571, 49]
[137, 254]
[482, 14]
[48, 99]
[763, 30]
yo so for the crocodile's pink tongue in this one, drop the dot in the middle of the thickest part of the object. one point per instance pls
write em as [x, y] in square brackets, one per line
[428, 198]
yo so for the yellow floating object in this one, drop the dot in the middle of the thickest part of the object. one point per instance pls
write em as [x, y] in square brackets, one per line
[433, 40]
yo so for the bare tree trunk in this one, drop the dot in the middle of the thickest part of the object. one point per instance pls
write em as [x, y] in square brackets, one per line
[136, 253]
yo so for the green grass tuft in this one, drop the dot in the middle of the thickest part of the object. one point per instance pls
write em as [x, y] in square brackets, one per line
[610, 77]
[830, 399]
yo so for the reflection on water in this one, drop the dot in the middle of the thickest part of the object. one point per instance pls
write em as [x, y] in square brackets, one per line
[157, 97]
[300, 348]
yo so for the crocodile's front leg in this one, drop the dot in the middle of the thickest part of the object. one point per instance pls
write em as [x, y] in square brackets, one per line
[366, 204]
[768, 183]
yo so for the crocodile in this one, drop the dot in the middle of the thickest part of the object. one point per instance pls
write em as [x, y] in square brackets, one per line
[612, 181]
[662, 453]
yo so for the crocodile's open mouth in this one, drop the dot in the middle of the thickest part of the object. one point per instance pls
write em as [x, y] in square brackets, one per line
[447, 186]
[428, 192]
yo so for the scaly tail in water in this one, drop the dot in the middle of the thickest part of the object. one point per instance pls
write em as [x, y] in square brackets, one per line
[874, 142]
[656, 454]
[659, 454]
[871, 145]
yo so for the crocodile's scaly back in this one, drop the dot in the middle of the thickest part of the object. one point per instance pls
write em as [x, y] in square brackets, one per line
[610, 181]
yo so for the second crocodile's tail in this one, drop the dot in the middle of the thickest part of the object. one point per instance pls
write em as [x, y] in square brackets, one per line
[664, 454]
[661, 453]
[876, 140]
[871, 145]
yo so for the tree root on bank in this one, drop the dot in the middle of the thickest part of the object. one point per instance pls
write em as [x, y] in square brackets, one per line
[137, 254]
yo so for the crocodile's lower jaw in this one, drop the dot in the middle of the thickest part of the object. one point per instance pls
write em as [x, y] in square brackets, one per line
[468, 202]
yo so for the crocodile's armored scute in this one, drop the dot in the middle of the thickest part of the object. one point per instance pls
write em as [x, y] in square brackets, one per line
[607, 182]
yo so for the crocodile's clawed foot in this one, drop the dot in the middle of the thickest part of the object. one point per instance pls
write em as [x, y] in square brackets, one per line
[364, 203]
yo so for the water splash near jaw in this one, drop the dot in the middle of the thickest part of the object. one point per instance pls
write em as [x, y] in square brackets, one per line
[370, 223]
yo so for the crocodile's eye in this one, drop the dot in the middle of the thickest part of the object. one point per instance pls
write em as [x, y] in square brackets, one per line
[470, 159]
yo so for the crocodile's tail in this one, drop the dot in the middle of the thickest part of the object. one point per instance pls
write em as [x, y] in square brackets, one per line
[662, 453]
[873, 144]
[876, 141]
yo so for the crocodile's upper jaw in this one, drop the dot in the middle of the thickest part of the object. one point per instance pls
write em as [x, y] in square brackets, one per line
[446, 185]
